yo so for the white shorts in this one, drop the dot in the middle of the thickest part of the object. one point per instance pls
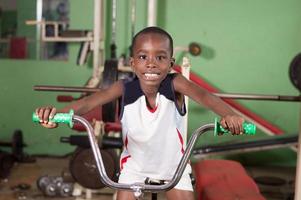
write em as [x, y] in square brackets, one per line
[130, 178]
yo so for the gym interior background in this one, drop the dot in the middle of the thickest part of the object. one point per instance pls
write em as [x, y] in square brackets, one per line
[247, 47]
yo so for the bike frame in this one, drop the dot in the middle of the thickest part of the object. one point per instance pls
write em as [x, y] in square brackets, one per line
[139, 188]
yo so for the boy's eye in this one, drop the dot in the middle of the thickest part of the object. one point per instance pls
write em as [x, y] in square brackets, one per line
[142, 57]
[161, 57]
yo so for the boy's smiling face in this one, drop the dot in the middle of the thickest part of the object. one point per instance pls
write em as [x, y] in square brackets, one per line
[151, 59]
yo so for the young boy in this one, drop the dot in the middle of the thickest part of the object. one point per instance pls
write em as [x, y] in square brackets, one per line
[152, 114]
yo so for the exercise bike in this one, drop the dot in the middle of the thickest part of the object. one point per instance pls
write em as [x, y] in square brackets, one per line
[139, 188]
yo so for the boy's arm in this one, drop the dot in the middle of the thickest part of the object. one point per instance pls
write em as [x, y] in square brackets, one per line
[83, 105]
[229, 120]
[102, 97]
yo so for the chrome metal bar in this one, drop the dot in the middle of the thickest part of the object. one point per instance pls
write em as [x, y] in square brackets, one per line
[139, 188]
[64, 89]
[243, 147]
[258, 97]
[221, 95]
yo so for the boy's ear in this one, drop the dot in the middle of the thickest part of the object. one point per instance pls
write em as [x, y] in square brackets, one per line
[172, 62]
[132, 63]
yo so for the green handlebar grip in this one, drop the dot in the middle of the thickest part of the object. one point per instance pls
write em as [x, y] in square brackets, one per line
[249, 128]
[65, 118]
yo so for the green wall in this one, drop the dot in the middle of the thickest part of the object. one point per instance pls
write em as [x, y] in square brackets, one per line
[19, 100]
[247, 48]
[26, 10]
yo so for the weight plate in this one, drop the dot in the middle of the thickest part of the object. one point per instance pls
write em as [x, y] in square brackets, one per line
[84, 170]
[116, 167]
[295, 71]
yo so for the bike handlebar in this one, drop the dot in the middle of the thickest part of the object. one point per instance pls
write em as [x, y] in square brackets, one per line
[65, 118]
[139, 188]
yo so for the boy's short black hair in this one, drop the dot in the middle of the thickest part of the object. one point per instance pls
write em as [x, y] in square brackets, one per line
[152, 29]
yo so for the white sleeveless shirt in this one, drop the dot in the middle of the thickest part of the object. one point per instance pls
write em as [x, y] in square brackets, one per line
[153, 139]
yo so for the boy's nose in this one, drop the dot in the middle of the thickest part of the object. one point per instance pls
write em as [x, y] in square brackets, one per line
[151, 65]
[151, 62]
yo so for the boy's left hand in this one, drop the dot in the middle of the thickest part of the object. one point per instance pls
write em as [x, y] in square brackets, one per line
[233, 123]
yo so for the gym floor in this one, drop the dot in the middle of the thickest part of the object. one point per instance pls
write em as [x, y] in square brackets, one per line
[274, 183]
[22, 182]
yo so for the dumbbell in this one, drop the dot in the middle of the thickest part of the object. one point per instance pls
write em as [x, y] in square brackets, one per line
[16, 144]
[47, 185]
[54, 186]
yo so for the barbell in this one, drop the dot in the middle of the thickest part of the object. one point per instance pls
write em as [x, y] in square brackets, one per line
[222, 95]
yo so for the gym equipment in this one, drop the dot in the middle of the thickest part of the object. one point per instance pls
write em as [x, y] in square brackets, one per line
[54, 186]
[16, 144]
[259, 97]
[78, 140]
[111, 142]
[295, 71]
[85, 48]
[110, 73]
[224, 179]
[56, 37]
[270, 180]
[94, 39]
[59, 118]
[64, 89]
[82, 165]
[222, 95]
[137, 188]
[84, 171]
[249, 129]
[106, 142]
[241, 147]
[6, 163]
[193, 48]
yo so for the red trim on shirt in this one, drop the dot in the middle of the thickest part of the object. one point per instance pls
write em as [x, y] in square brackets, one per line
[181, 140]
[123, 161]
[152, 110]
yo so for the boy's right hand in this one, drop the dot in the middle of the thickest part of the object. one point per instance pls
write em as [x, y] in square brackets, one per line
[45, 114]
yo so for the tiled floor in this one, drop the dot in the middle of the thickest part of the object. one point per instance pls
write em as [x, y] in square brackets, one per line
[23, 175]
[274, 183]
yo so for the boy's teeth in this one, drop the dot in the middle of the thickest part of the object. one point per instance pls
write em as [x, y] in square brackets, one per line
[150, 75]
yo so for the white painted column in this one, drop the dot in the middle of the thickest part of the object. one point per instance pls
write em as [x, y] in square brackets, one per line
[298, 167]
[39, 45]
[97, 36]
[152, 13]
[185, 69]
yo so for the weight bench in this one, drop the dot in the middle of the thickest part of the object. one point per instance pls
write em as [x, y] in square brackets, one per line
[224, 179]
